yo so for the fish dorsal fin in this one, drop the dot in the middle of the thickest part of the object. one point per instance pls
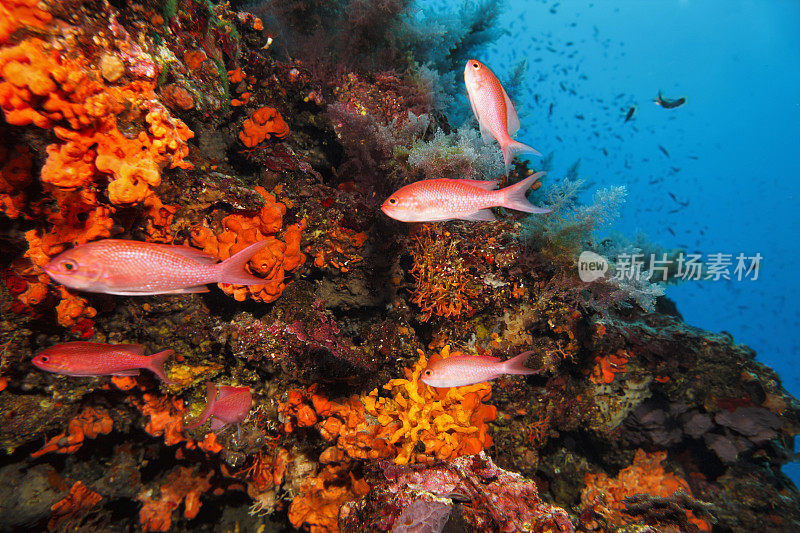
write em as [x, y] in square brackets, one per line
[133, 349]
[511, 113]
[481, 184]
[224, 391]
[197, 255]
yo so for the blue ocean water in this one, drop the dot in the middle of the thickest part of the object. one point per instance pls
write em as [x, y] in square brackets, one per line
[717, 175]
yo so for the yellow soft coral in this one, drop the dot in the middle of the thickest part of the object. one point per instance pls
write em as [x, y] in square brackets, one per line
[449, 422]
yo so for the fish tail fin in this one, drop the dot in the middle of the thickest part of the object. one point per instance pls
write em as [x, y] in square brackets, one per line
[512, 149]
[155, 364]
[516, 365]
[211, 400]
[514, 197]
[232, 270]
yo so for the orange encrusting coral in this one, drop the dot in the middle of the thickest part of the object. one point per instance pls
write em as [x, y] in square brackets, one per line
[607, 366]
[646, 475]
[15, 176]
[181, 484]
[272, 262]
[40, 86]
[89, 424]
[262, 124]
[72, 308]
[166, 417]
[449, 423]
[338, 249]
[16, 14]
[317, 505]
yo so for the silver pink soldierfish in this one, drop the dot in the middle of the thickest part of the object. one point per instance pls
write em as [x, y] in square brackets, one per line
[494, 110]
[134, 268]
[461, 370]
[448, 199]
[81, 358]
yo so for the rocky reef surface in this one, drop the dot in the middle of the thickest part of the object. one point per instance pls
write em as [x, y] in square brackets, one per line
[185, 122]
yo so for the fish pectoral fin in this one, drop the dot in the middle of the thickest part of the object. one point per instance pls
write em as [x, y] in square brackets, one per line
[199, 288]
[132, 372]
[511, 114]
[484, 215]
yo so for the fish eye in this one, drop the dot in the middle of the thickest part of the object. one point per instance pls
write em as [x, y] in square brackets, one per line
[476, 65]
[45, 358]
[427, 372]
[69, 266]
[392, 201]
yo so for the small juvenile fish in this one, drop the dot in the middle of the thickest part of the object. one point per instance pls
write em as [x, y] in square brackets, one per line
[496, 114]
[448, 199]
[83, 359]
[134, 268]
[461, 370]
[228, 405]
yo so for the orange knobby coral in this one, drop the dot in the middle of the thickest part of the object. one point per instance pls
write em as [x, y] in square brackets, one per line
[605, 496]
[16, 14]
[180, 484]
[72, 308]
[272, 262]
[606, 367]
[15, 176]
[262, 124]
[90, 423]
[40, 86]
[317, 505]
[166, 417]
[338, 249]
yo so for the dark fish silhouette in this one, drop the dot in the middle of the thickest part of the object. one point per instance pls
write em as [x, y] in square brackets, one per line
[631, 113]
[664, 150]
[668, 103]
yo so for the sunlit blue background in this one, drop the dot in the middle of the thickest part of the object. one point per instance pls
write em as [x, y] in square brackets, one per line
[733, 148]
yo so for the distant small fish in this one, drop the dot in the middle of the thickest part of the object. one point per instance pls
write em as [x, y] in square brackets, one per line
[134, 268]
[663, 150]
[668, 103]
[448, 199]
[630, 114]
[83, 359]
[496, 114]
[228, 405]
[461, 370]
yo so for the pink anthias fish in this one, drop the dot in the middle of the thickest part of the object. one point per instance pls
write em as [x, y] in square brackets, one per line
[134, 268]
[496, 114]
[448, 199]
[461, 370]
[228, 405]
[79, 358]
